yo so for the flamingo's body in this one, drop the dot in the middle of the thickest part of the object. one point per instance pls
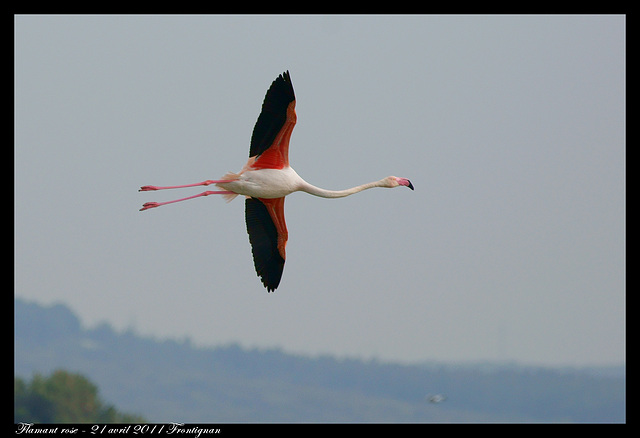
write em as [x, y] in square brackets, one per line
[267, 178]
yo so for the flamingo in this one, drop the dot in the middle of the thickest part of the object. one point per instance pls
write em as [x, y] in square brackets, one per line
[266, 179]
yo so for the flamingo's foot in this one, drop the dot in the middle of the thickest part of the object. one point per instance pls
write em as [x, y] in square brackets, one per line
[148, 205]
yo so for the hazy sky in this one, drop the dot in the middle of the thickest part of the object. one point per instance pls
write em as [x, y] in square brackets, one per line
[511, 128]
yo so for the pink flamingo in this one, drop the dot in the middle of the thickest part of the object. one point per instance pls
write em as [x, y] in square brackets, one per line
[265, 181]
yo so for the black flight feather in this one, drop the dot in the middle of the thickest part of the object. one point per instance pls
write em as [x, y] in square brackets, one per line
[263, 237]
[273, 115]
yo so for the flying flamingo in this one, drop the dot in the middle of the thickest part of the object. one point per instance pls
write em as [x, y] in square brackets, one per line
[265, 181]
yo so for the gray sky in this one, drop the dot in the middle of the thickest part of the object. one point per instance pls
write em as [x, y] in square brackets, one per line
[511, 128]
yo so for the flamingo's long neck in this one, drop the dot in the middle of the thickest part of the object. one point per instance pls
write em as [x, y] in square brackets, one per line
[324, 193]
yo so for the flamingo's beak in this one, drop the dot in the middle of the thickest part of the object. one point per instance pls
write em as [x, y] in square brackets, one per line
[405, 182]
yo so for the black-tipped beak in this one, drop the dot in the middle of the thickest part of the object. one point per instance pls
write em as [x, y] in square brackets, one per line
[410, 185]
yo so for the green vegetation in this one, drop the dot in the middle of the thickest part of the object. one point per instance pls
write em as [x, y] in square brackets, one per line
[63, 397]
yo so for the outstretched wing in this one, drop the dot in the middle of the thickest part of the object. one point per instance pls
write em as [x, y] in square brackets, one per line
[268, 237]
[271, 134]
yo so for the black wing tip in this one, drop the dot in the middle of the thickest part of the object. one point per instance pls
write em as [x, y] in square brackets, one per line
[271, 274]
[286, 76]
[271, 280]
[281, 91]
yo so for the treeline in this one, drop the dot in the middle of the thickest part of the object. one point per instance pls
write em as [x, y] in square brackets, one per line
[229, 383]
[63, 397]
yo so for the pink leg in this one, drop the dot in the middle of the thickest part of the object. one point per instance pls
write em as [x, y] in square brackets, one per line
[148, 205]
[203, 183]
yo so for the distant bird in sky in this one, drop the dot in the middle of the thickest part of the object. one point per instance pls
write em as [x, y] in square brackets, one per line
[266, 179]
[436, 398]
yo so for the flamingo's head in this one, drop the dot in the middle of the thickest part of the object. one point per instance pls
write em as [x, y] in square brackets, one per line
[394, 181]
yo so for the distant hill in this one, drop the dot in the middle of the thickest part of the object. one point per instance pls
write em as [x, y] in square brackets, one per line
[166, 380]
